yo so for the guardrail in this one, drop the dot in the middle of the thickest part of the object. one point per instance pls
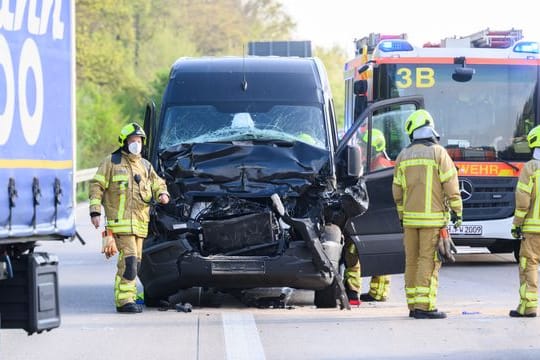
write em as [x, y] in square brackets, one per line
[84, 175]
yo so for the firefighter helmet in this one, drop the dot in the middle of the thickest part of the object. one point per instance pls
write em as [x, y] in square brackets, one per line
[378, 141]
[131, 129]
[533, 138]
[418, 119]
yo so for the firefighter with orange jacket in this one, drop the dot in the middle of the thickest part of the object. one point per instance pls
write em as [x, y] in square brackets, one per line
[425, 187]
[379, 286]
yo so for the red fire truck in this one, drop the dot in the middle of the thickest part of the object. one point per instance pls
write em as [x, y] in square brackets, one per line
[483, 92]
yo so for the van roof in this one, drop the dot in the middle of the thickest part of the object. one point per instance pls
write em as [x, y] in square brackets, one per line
[237, 63]
[207, 80]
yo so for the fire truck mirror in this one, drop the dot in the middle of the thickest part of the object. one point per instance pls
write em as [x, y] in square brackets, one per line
[360, 87]
[463, 74]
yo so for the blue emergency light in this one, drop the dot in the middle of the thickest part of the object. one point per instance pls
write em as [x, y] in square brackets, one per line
[530, 47]
[395, 45]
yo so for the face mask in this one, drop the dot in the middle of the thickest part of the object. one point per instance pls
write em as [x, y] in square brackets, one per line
[135, 148]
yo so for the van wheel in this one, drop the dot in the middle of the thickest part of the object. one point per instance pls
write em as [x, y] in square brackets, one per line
[150, 301]
[326, 298]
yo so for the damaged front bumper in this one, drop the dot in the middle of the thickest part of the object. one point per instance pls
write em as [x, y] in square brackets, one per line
[167, 268]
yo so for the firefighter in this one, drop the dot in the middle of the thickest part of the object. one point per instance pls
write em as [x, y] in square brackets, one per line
[351, 277]
[379, 158]
[125, 184]
[526, 226]
[425, 186]
[379, 286]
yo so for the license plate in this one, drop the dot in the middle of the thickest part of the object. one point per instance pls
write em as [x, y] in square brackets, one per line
[465, 230]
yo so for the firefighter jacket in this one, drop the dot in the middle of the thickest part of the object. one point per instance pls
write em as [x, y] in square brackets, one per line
[527, 214]
[425, 186]
[124, 184]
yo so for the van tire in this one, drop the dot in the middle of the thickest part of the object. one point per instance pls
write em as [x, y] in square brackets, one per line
[150, 301]
[326, 298]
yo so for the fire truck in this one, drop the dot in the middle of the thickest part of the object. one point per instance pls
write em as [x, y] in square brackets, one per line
[483, 92]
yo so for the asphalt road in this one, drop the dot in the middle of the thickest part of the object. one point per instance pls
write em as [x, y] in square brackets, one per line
[477, 292]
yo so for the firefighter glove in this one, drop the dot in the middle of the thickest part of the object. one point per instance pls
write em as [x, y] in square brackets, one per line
[109, 244]
[456, 220]
[446, 247]
[516, 232]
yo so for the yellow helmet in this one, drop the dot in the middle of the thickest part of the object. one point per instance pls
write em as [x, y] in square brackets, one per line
[418, 119]
[131, 129]
[377, 139]
[533, 138]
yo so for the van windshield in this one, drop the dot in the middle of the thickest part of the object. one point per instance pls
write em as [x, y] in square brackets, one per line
[207, 123]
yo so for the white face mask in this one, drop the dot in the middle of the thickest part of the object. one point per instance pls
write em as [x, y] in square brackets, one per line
[135, 148]
[536, 153]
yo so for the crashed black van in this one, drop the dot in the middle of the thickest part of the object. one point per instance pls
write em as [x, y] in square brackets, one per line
[262, 194]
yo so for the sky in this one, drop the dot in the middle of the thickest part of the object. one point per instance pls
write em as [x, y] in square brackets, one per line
[340, 22]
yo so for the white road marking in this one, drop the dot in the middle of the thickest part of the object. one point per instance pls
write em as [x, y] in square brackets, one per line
[241, 337]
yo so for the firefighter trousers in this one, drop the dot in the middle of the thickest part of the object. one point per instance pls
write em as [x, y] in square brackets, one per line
[379, 285]
[529, 254]
[129, 259]
[421, 267]
[352, 278]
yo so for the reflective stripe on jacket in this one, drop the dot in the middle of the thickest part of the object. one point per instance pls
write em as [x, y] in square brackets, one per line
[425, 186]
[527, 212]
[126, 203]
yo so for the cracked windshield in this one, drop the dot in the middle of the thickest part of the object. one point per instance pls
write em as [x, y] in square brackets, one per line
[206, 123]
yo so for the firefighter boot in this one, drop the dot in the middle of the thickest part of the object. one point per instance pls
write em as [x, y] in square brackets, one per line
[129, 308]
[353, 297]
[368, 298]
[433, 314]
[515, 313]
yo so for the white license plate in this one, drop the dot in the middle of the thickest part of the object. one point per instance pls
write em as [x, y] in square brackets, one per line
[465, 230]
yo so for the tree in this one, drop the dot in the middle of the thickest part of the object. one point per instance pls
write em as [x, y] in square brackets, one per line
[125, 49]
[333, 60]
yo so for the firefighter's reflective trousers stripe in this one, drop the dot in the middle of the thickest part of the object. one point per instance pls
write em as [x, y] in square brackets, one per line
[129, 258]
[379, 287]
[529, 254]
[421, 267]
[352, 278]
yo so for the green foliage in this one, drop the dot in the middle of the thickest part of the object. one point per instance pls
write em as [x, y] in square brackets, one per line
[99, 120]
[333, 60]
[125, 49]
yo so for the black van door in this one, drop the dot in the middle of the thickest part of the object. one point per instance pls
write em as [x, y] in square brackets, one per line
[378, 133]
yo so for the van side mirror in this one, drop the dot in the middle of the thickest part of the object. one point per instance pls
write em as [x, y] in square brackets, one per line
[354, 161]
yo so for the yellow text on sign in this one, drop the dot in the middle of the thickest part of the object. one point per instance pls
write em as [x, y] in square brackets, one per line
[422, 77]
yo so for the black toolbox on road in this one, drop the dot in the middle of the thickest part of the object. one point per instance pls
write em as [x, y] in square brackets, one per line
[29, 300]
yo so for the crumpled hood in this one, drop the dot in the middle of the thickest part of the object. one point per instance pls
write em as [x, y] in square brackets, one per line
[244, 168]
